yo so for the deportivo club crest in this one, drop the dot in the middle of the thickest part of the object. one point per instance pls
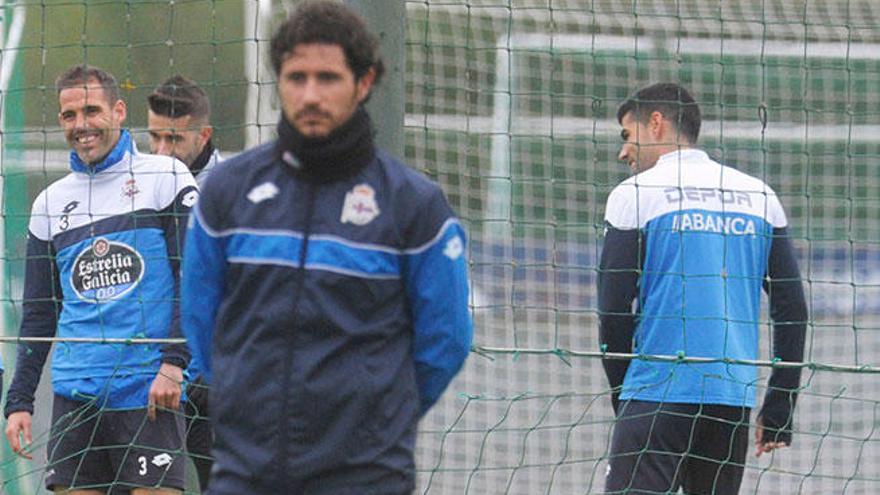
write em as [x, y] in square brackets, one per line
[130, 188]
[106, 270]
[101, 247]
[360, 206]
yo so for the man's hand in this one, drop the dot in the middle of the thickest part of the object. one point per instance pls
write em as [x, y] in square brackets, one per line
[17, 425]
[165, 390]
[762, 446]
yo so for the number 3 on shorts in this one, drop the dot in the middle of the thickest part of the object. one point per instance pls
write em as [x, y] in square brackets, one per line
[142, 460]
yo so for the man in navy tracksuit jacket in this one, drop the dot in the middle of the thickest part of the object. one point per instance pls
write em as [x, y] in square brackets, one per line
[324, 285]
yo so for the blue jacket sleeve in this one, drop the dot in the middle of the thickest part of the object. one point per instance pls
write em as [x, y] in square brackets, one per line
[203, 282]
[174, 219]
[41, 306]
[437, 291]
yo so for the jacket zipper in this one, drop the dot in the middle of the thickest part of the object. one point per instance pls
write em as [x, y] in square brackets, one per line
[283, 441]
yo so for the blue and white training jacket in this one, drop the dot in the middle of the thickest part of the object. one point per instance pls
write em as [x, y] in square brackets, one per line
[102, 262]
[692, 243]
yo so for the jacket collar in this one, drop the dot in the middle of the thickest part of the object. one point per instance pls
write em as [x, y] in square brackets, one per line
[203, 161]
[203, 174]
[686, 155]
[123, 147]
[343, 153]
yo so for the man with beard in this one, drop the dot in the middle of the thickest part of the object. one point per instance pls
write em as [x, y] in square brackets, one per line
[324, 284]
[102, 262]
[178, 120]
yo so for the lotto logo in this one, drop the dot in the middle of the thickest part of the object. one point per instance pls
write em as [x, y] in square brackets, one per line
[264, 191]
[162, 459]
[190, 199]
[454, 248]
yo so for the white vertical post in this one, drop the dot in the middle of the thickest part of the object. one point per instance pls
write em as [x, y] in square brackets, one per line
[261, 114]
[10, 36]
[500, 182]
[11, 30]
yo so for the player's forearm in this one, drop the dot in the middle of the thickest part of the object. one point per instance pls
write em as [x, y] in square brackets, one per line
[176, 354]
[174, 223]
[782, 389]
[31, 357]
[616, 328]
[788, 310]
[437, 288]
[442, 342]
[42, 303]
[615, 335]
[617, 288]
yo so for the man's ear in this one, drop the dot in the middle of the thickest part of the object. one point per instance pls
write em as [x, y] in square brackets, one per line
[120, 111]
[656, 124]
[205, 133]
[365, 84]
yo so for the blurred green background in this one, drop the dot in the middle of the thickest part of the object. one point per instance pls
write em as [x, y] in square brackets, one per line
[141, 43]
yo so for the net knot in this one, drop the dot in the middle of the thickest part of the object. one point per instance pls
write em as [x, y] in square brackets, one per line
[762, 116]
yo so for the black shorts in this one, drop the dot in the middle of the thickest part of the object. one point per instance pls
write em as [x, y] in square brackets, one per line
[199, 434]
[659, 448]
[94, 449]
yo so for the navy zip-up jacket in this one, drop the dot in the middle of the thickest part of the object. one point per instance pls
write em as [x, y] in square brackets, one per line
[329, 317]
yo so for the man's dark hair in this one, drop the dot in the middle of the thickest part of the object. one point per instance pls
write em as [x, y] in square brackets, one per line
[672, 101]
[329, 22]
[180, 96]
[80, 75]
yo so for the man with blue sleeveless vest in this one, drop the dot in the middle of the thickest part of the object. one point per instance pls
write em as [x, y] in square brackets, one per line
[102, 262]
[692, 242]
[324, 284]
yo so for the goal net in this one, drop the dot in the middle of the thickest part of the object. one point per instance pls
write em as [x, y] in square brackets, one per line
[511, 107]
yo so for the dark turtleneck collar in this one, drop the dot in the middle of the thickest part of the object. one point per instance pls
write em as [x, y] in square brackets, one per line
[342, 153]
[202, 160]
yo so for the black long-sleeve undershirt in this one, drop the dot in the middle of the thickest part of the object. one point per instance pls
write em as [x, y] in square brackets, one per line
[619, 268]
[40, 309]
[174, 219]
[788, 310]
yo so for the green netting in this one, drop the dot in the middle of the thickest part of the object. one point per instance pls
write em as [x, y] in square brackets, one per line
[510, 105]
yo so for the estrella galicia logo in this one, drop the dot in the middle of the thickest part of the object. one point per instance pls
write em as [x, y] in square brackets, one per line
[105, 271]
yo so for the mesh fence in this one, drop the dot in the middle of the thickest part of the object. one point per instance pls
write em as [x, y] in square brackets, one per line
[511, 106]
